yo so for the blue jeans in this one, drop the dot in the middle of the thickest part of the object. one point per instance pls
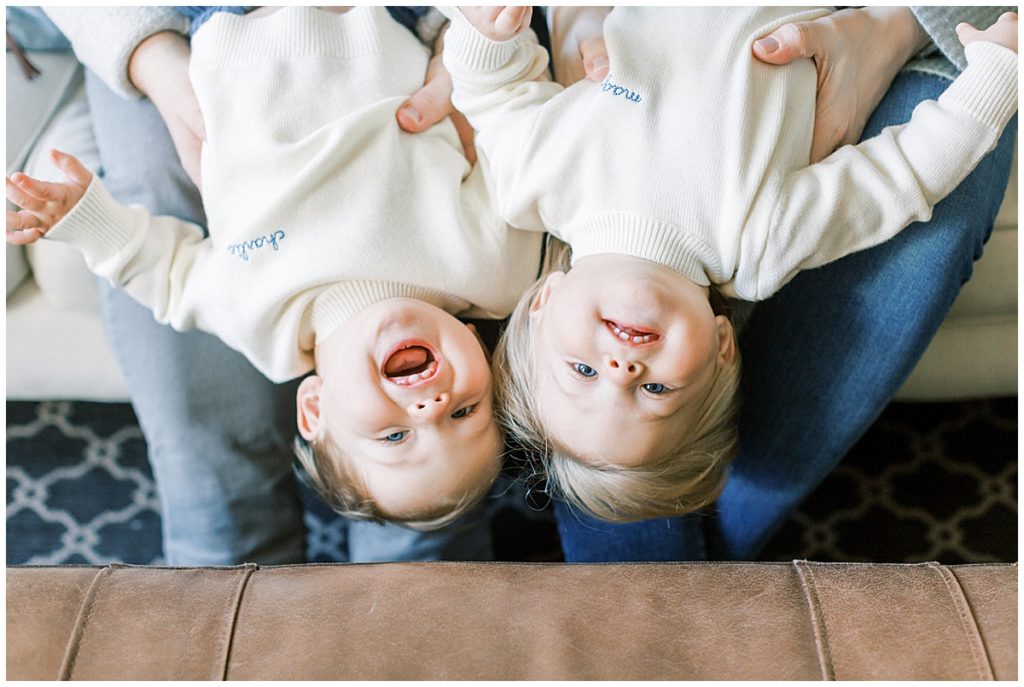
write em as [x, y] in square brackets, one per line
[219, 433]
[821, 360]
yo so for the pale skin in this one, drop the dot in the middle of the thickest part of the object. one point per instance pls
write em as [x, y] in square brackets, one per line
[622, 362]
[625, 349]
[414, 444]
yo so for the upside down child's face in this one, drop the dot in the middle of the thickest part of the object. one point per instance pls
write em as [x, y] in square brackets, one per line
[404, 389]
[625, 351]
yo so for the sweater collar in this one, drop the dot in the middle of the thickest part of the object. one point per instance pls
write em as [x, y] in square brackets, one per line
[338, 303]
[647, 238]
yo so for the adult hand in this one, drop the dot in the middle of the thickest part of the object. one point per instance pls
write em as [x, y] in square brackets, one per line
[159, 68]
[857, 53]
[577, 43]
[432, 103]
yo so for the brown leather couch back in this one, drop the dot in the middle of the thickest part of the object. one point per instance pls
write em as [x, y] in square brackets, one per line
[441, 621]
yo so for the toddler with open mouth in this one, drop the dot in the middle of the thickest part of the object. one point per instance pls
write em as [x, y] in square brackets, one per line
[338, 243]
[682, 179]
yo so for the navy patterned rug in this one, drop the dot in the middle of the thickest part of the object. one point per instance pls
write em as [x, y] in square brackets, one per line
[928, 482]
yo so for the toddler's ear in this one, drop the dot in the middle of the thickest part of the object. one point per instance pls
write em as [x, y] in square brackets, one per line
[307, 403]
[726, 339]
[550, 282]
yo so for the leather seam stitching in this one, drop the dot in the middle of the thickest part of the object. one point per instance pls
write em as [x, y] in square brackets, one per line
[820, 629]
[968, 623]
[75, 640]
[239, 594]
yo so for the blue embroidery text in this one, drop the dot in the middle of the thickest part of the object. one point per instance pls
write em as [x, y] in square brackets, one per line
[242, 249]
[618, 90]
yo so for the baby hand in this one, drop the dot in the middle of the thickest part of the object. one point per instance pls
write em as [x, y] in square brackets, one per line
[44, 203]
[499, 23]
[1003, 32]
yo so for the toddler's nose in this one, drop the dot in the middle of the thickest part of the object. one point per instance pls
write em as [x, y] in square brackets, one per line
[430, 408]
[622, 370]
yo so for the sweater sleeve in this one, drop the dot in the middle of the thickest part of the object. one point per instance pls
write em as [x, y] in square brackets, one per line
[158, 260]
[104, 38]
[496, 86]
[863, 195]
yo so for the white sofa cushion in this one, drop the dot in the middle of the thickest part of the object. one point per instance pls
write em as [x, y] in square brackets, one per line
[58, 353]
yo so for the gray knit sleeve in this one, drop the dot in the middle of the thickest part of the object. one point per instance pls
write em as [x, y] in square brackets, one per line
[939, 23]
[104, 38]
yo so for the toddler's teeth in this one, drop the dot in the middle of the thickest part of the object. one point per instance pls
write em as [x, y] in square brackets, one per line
[624, 336]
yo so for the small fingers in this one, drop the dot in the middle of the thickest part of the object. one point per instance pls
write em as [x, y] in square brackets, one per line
[965, 28]
[74, 171]
[23, 228]
[967, 33]
[512, 20]
[19, 193]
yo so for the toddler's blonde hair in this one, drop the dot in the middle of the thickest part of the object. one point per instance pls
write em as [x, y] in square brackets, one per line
[686, 479]
[331, 475]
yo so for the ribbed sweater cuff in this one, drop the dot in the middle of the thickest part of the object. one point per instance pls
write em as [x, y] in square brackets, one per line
[339, 303]
[470, 49]
[642, 237]
[987, 89]
[98, 225]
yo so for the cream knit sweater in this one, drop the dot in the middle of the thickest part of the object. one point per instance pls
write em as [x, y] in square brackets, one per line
[694, 155]
[318, 204]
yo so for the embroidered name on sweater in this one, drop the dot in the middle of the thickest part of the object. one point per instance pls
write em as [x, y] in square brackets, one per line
[617, 90]
[242, 249]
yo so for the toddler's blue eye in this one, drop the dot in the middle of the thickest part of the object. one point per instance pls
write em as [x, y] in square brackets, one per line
[395, 437]
[584, 369]
[655, 388]
[463, 412]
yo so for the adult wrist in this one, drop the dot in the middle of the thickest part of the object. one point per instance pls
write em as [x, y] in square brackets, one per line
[902, 28]
[151, 57]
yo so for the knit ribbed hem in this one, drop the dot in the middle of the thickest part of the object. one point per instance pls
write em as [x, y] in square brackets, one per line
[987, 89]
[97, 225]
[290, 32]
[647, 238]
[341, 302]
[471, 50]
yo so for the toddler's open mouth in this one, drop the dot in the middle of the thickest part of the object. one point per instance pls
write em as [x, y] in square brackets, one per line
[631, 334]
[410, 363]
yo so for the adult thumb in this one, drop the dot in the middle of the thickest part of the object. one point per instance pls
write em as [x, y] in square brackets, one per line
[787, 43]
[427, 106]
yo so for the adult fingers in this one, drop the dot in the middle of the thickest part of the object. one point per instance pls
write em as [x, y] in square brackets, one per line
[430, 104]
[595, 58]
[789, 42]
[465, 131]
